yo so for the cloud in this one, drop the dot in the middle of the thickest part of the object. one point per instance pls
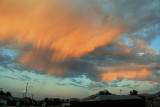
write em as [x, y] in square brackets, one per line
[72, 38]
[130, 75]
[114, 48]
[137, 14]
[6, 60]
[55, 30]
[114, 85]
[71, 84]
[18, 78]
[76, 81]
[2, 76]
[124, 66]
[143, 47]
[25, 77]
[128, 85]
[93, 86]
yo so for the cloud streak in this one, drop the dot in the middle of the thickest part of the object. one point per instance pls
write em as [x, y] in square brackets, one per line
[72, 38]
[130, 75]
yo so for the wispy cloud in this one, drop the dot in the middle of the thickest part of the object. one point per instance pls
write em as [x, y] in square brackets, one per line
[79, 37]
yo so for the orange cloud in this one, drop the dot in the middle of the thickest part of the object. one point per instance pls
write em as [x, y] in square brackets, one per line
[121, 49]
[133, 74]
[144, 48]
[125, 49]
[58, 27]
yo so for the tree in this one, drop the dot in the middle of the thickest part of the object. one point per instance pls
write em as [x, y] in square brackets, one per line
[8, 94]
[104, 92]
[56, 101]
[47, 101]
[134, 92]
[2, 93]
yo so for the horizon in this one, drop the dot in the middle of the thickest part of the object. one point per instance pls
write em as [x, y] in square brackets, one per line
[75, 48]
[31, 96]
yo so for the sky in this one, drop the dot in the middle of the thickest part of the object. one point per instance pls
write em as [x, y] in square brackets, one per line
[75, 48]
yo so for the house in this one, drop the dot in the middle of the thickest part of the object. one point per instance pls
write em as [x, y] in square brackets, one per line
[3, 102]
[4, 99]
[14, 101]
[111, 101]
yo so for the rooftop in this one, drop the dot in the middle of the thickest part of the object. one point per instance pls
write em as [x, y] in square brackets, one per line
[114, 97]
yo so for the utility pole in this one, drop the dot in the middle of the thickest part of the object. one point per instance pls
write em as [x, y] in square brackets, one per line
[120, 91]
[26, 90]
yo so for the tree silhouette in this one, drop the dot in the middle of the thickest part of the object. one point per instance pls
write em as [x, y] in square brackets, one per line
[56, 101]
[134, 92]
[2, 93]
[8, 94]
[104, 92]
[47, 101]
